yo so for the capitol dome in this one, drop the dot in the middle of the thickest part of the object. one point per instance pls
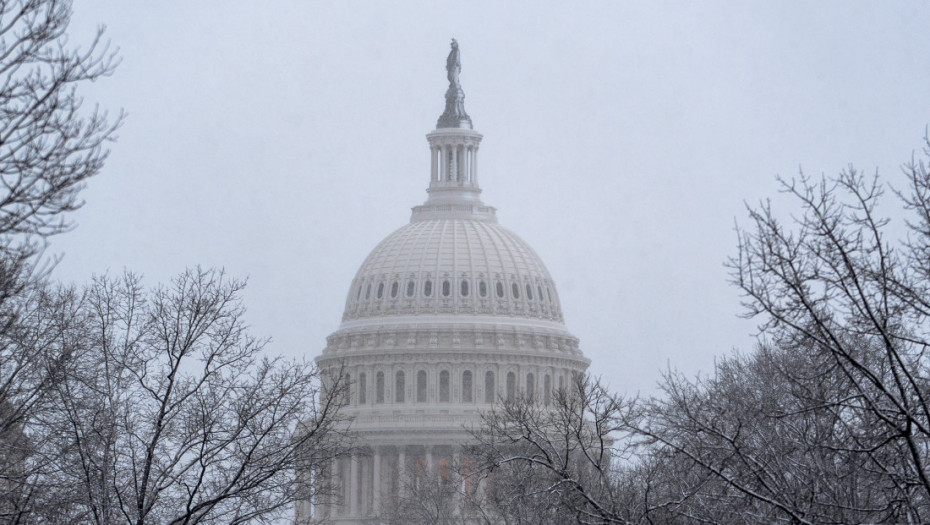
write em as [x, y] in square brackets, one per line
[448, 316]
[453, 265]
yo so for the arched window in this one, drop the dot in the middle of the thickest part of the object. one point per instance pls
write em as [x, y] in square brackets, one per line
[359, 296]
[379, 387]
[411, 287]
[561, 383]
[548, 294]
[482, 288]
[421, 386]
[444, 386]
[529, 292]
[500, 289]
[368, 292]
[362, 389]
[511, 386]
[515, 290]
[466, 387]
[399, 387]
[394, 289]
[530, 386]
[539, 292]
[547, 389]
[464, 288]
[380, 290]
[446, 288]
[428, 288]
[489, 392]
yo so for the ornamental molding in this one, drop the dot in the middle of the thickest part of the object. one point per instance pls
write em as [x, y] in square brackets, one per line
[499, 340]
[457, 361]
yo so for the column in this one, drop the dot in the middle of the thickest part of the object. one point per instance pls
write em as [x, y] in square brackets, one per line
[434, 163]
[428, 453]
[474, 166]
[456, 466]
[401, 469]
[328, 507]
[352, 504]
[460, 164]
[447, 163]
[376, 482]
[467, 175]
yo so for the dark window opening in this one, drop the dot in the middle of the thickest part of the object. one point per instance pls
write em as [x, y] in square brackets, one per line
[466, 386]
[399, 387]
[421, 386]
[362, 389]
[444, 386]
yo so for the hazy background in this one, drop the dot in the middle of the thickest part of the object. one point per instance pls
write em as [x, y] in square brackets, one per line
[284, 140]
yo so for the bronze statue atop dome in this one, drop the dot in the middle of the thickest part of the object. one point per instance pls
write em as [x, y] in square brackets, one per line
[454, 116]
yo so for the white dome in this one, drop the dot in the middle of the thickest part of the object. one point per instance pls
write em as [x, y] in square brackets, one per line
[446, 317]
[453, 266]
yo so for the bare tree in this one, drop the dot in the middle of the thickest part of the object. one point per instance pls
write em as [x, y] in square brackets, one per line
[837, 282]
[171, 413]
[776, 436]
[549, 463]
[826, 422]
[49, 145]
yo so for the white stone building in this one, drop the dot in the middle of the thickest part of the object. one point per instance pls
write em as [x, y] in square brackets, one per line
[447, 316]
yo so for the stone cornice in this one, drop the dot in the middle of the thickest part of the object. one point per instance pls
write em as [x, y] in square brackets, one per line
[496, 340]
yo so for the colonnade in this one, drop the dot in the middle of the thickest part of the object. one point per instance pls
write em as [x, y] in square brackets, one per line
[454, 163]
[367, 482]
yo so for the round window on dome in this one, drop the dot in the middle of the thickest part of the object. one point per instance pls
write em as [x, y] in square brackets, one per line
[539, 292]
[482, 288]
[464, 288]
[515, 290]
[359, 295]
[428, 288]
[394, 290]
[410, 288]
[446, 288]
[529, 292]
[380, 290]
[368, 292]
[500, 289]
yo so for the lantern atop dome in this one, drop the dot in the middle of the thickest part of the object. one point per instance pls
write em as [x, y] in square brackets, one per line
[453, 188]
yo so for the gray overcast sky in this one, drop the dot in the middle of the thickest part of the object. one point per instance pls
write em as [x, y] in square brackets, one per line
[283, 140]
